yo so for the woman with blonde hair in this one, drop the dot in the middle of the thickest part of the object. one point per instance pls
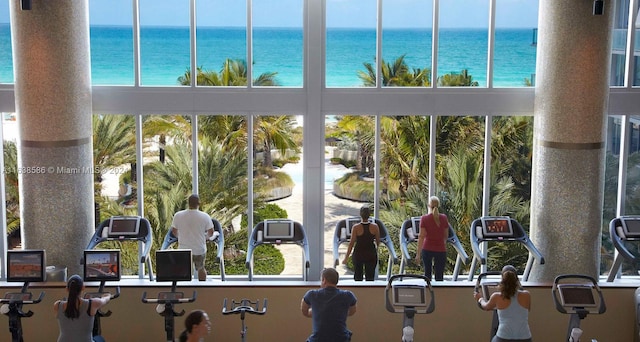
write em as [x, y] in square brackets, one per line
[432, 248]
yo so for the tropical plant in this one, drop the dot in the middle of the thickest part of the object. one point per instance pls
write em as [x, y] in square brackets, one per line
[463, 79]
[12, 193]
[113, 144]
[397, 73]
[233, 73]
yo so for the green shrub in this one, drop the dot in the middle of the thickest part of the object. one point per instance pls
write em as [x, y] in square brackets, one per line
[269, 211]
[267, 258]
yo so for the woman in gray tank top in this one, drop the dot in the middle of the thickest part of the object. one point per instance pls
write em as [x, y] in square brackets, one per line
[76, 315]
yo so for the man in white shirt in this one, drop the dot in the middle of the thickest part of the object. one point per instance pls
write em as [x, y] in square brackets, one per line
[193, 227]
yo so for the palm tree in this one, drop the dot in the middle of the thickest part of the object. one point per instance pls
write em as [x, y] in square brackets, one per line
[463, 79]
[404, 151]
[395, 74]
[362, 130]
[274, 131]
[232, 74]
[12, 192]
[113, 143]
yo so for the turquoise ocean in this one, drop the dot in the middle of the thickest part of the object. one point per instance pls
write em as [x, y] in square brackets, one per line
[165, 53]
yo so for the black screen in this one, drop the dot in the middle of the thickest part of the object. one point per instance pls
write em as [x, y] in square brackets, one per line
[173, 265]
[577, 296]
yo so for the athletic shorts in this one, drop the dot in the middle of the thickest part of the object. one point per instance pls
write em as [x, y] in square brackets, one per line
[198, 261]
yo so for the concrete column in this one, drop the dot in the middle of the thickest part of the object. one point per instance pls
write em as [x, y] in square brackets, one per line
[572, 87]
[53, 104]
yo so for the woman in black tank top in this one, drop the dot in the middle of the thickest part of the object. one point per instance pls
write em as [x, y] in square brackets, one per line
[365, 238]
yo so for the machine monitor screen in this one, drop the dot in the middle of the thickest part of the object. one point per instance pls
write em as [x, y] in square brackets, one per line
[415, 224]
[124, 226]
[572, 295]
[631, 226]
[101, 265]
[173, 265]
[26, 265]
[278, 230]
[488, 288]
[497, 227]
[409, 295]
[352, 221]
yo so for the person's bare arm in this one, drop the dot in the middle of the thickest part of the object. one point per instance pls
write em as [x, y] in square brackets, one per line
[490, 304]
[421, 237]
[97, 303]
[174, 231]
[352, 309]
[55, 307]
[352, 241]
[305, 309]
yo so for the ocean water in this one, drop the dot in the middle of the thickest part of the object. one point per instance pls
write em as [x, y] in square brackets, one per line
[165, 51]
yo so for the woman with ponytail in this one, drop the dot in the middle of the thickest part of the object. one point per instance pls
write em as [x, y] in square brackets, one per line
[432, 247]
[513, 305]
[76, 314]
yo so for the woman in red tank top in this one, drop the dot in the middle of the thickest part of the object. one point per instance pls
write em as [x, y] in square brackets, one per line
[432, 248]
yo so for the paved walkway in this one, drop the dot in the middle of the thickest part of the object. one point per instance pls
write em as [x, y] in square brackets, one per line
[335, 210]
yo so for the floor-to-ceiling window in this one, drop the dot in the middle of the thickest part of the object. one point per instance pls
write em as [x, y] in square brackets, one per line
[387, 71]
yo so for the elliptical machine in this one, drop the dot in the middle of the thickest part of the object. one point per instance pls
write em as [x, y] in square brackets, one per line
[577, 295]
[409, 294]
[487, 287]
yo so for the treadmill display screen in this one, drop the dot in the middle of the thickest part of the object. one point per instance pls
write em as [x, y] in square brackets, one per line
[497, 227]
[631, 226]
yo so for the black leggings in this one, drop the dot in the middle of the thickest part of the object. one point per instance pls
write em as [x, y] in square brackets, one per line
[439, 260]
[369, 270]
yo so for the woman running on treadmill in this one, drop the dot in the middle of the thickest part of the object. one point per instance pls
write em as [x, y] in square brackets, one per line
[365, 239]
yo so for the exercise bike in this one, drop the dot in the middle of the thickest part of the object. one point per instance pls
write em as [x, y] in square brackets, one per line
[97, 327]
[243, 307]
[12, 306]
[577, 295]
[166, 302]
[410, 297]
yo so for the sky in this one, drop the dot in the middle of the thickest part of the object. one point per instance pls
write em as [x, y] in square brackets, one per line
[288, 13]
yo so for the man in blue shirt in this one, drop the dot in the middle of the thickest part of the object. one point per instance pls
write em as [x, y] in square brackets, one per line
[329, 308]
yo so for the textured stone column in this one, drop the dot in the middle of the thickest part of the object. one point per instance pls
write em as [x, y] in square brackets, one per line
[53, 104]
[572, 86]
